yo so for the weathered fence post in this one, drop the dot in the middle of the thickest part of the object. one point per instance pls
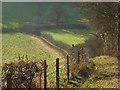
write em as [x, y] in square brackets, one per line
[72, 51]
[45, 76]
[78, 57]
[9, 81]
[68, 68]
[72, 58]
[19, 57]
[57, 73]
[72, 48]
[82, 52]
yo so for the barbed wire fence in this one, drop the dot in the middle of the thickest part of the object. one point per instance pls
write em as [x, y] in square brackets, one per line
[48, 75]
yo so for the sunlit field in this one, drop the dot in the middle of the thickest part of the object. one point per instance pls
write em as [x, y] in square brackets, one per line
[15, 44]
[69, 36]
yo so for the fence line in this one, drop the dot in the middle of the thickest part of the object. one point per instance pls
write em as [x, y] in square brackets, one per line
[68, 68]
[79, 57]
[45, 75]
[57, 73]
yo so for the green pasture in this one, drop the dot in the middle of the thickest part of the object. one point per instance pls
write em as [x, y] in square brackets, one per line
[69, 36]
[14, 44]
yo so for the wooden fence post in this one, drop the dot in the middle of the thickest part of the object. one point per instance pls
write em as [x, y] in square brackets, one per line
[57, 73]
[45, 76]
[78, 57]
[82, 52]
[19, 57]
[9, 81]
[68, 68]
[72, 49]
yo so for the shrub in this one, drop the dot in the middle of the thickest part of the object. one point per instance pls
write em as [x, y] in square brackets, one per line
[86, 68]
[95, 46]
[23, 73]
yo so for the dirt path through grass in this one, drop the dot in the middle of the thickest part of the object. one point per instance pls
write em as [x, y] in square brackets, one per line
[51, 71]
[47, 45]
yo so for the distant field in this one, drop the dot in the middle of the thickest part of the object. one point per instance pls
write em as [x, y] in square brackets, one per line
[69, 36]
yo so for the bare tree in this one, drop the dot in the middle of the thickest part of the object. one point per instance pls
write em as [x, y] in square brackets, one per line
[104, 17]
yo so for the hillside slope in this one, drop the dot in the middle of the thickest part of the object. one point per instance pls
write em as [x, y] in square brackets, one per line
[106, 74]
[15, 13]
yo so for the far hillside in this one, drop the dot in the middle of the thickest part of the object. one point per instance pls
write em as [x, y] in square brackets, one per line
[15, 14]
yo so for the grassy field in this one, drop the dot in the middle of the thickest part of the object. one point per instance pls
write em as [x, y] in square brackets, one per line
[69, 36]
[18, 43]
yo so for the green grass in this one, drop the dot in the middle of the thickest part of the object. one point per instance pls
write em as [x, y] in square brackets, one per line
[69, 36]
[18, 43]
[105, 67]
[23, 44]
[103, 83]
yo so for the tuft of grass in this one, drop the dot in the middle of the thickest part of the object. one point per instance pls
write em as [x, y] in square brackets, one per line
[106, 83]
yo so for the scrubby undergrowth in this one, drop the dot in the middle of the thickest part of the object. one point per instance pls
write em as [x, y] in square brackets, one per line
[104, 75]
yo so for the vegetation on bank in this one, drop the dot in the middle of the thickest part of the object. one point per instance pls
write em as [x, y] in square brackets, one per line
[103, 73]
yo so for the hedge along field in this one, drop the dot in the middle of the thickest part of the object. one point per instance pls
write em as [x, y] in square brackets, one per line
[69, 36]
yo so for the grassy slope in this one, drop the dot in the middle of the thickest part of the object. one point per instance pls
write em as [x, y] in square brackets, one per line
[18, 43]
[104, 77]
[69, 36]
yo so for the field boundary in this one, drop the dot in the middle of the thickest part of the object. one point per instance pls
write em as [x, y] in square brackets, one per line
[63, 52]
